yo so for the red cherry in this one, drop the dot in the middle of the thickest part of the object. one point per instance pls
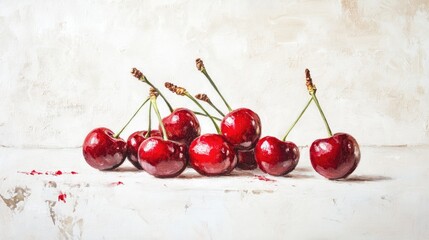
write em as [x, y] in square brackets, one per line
[133, 144]
[335, 157]
[246, 159]
[103, 151]
[212, 155]
[163, 158]
[241, 128]
[276, 157]
[182, 126]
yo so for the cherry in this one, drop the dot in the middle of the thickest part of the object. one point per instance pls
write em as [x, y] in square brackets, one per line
[161, 157]
[102, 150]
[241, 128]
[212, 155]
[276, 157]
[209, 154]
[133, 144]
[334, 157]
[182, 126]
[246, 159]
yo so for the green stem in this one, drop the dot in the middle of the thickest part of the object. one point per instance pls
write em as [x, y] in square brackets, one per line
[313, 95]
[160, 93]
[217, 109]
[119, 133]
[296, 121]
[204, 110]
[204, 71]
[149, 128]
[203, 114]
[155, 108]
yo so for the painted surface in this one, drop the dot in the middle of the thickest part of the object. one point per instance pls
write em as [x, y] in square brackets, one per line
[64, 65]
[386, 198]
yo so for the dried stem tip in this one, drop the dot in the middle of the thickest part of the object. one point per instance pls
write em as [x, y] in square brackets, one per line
[153, 92]
[203, 97]
[177, 90]
[136, 73]
[309, 82]
[200, 64]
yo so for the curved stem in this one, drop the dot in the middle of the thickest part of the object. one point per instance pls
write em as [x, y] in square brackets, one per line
[204, 110]
[215, 87]
[155, 108]
[160, 94]
[149, 128]
[296, 121]
[313, 95]
[203, 114]
[119, 133]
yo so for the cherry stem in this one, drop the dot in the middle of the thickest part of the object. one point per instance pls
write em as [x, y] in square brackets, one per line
[149, 128]
[203, 114]
[204, 110]
[296, 121]
[155, 108]
[123, 128]
[204, 71]
[217, 109]
[160, 93]
[313, 95]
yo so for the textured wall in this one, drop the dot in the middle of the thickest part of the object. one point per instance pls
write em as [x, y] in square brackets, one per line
[64, 65]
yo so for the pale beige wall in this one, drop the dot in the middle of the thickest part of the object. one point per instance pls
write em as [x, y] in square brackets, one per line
[64, 65]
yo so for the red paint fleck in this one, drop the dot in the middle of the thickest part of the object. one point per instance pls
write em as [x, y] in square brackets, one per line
[62, 197]
[57, 173]
[118, 183]
[263, 178]
[33, 172]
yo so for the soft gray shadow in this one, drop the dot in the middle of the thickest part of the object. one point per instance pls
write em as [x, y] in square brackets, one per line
[365, 178]
[241, 173]
[190, 175]
[303, 169]
[298, 176]
[124, 169]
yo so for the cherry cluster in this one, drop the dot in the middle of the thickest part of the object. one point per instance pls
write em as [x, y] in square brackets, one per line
[177, 143]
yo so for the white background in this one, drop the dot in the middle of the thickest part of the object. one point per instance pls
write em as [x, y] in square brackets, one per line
[64, 65]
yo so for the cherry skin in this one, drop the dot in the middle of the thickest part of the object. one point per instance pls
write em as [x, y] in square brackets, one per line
[276, 157]
[133, 144]
[241, 128]
[212, 155]
[102, 151]
[163, 158]
[182, 126]
[246, 159]
[335, 157]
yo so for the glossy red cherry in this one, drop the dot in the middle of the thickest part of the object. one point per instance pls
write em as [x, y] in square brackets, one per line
[241, 128]
[335, 157]
[212, 155]
[182, 126]
[133, 144]
[246, 159]
[276, 157]
[103, 151]
[163, 158]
